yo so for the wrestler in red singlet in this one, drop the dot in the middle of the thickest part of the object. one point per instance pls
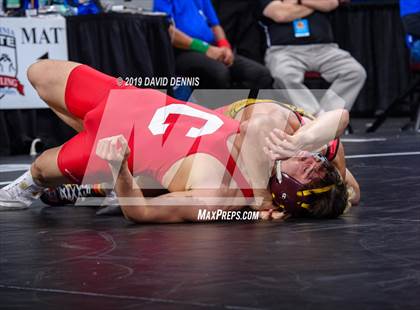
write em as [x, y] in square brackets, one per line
[161, 130]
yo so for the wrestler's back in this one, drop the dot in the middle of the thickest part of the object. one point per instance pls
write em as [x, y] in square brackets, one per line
[283, 117]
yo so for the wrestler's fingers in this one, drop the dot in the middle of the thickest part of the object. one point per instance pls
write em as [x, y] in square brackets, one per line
[281, 147]
[277, 215]
[99, 149]
[271, 146]
[116, 144]
[286, 144]
[303, 153]
[271, 155]
[123, 141]
[277, 155]
[114, 151]
[266, 151]
[124, 147]
[265, 215]
[287, 139]
[282, 135]
[107, 148]
[276, 138]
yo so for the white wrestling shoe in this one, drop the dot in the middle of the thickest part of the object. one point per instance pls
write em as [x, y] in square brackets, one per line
[18, 197]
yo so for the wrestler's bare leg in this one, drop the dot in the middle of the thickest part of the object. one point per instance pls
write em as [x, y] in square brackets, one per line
[49, 78]
[45, 171]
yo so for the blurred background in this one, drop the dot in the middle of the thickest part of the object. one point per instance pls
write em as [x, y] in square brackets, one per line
[140, 38]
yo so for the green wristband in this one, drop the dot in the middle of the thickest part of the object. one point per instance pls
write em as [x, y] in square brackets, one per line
[199, 46]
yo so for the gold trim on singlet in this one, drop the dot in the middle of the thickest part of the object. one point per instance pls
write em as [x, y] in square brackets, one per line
[235, 107]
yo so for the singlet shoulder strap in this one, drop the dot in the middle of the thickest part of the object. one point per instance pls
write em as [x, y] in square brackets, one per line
[237, 106]
[332, 149]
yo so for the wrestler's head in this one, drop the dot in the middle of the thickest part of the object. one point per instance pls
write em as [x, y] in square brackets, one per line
[308, 186]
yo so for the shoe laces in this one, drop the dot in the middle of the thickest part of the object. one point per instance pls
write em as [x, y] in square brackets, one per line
[13, 191]
[72, 192]
[20, 191]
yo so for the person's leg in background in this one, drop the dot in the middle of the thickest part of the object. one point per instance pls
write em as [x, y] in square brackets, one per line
[345, 74]
[250, 74]
[288, 71]
[212, 73]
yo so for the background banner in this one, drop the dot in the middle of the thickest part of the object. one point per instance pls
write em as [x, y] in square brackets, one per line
[22, 42]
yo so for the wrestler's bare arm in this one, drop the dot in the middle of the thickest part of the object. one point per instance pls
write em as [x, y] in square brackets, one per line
[340, 163]
[170, 208]
[353, 187]
[316, 134]
[313, 136]
[333, 124]
[329, 124]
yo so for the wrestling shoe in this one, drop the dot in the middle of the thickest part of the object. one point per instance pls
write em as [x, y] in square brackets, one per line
[18, 197]
[68, 194]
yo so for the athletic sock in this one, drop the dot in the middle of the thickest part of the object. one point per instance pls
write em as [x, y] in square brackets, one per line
[69, 194]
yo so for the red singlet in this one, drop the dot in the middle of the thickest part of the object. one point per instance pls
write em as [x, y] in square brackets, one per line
[161, 130]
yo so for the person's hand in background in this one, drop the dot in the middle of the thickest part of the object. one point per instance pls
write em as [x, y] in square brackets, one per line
[216, 53]
[228, 58]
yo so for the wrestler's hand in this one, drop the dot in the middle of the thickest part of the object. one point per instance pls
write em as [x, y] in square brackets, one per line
[114, 150]
[272, 215]
[280, 145]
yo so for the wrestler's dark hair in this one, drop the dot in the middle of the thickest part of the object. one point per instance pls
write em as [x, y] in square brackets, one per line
[326, 205]
[330, 204]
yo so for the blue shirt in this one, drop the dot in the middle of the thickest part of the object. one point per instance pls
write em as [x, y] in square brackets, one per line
[408, 7]
[193, 17]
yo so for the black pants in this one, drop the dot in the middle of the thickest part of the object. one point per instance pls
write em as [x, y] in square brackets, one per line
[244, 72]
[412, 24]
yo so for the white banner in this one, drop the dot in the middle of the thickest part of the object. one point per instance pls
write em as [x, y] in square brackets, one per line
[22, 42]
